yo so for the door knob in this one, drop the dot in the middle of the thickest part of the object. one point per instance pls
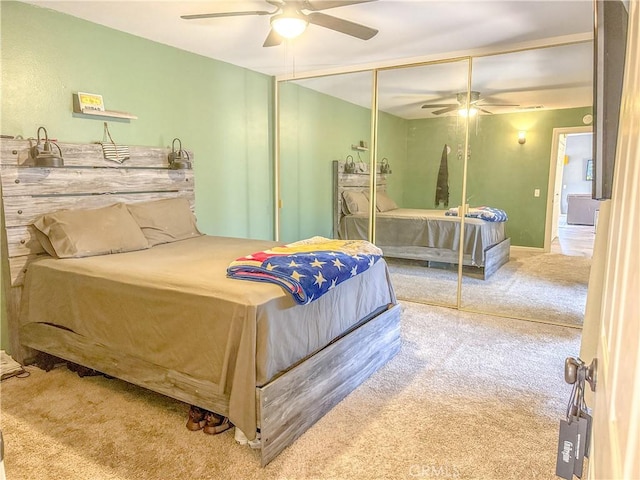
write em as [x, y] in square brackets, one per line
[571, 366]
[591, 374]
[574, 366]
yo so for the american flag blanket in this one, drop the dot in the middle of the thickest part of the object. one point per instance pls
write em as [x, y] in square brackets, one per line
[309, 268]
[489, 214]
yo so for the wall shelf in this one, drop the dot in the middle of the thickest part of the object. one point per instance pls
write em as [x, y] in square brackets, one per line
[106, 113]
[100, 113]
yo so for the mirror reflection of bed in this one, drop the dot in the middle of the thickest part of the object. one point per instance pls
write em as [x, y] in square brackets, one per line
[428, 236]
[515, 286]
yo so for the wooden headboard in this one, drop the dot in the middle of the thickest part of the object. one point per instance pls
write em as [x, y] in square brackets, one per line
[357, 181]
[87, 180]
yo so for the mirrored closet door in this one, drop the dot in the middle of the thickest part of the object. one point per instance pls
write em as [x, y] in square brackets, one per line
[450, 137]
[323, 120]
[420, 142]
[511, 175]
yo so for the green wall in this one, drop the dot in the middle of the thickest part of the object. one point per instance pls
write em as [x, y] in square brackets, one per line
[393, 145]
[425, 143]
[316, 129]
[220, 112]
[501, 172]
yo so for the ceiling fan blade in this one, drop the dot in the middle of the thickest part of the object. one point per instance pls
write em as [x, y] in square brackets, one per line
[483, 110]
[225, 14]
[499, 105]
[437, 105]
[450, 108]
[342, 26]
[273, 39]
[316, 5]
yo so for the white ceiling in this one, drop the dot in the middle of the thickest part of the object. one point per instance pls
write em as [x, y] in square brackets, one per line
[411, 29]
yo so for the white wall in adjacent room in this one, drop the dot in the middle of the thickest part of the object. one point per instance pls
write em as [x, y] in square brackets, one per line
[579, 150]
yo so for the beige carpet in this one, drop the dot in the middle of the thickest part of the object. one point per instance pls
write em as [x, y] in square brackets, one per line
[545, 286]
[468, 396]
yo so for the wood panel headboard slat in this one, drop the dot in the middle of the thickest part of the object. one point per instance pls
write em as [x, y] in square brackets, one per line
[358, 181]
[15, 152]
[23, 241]
[22, 181]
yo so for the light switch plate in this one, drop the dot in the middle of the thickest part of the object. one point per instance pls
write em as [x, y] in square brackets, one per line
[536, 192]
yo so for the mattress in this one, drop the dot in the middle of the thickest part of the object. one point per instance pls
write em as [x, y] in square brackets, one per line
[173, 305]
[403, 227]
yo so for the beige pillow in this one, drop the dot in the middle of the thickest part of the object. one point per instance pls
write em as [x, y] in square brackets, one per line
[83, 233]
[356, 202]
[45, 242]
[164, 221]
[384, 202]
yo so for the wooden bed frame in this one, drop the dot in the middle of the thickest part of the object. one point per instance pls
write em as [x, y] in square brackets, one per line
[494, 256]
[286, 407]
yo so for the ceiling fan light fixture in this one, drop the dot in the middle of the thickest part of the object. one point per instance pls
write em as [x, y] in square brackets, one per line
[471, 112]
[289, 25]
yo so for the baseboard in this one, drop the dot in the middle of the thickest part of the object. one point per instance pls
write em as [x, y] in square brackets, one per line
[519, 249]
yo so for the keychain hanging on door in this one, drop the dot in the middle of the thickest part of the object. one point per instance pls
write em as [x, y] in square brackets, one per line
[575, 432]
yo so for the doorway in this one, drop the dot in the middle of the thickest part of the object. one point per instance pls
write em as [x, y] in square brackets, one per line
[571, 154]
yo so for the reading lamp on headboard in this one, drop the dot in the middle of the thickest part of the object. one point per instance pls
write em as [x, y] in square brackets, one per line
[384, 166]
[178, 159]
[44, 156]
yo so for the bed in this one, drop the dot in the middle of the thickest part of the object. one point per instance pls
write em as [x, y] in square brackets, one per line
[167, 318]
[431, 236]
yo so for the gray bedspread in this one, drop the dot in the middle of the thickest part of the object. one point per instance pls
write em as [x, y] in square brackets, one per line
[174, 306]
[404, 227]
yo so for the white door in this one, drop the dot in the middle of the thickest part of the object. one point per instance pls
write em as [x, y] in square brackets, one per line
[616, 427]
[557, 191]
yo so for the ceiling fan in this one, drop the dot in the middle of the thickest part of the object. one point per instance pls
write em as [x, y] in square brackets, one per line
[461, 107]
[291, 17]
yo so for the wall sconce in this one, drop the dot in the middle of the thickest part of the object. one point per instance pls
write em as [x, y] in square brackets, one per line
[522, 137]
[44, 156]
[178, 159]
